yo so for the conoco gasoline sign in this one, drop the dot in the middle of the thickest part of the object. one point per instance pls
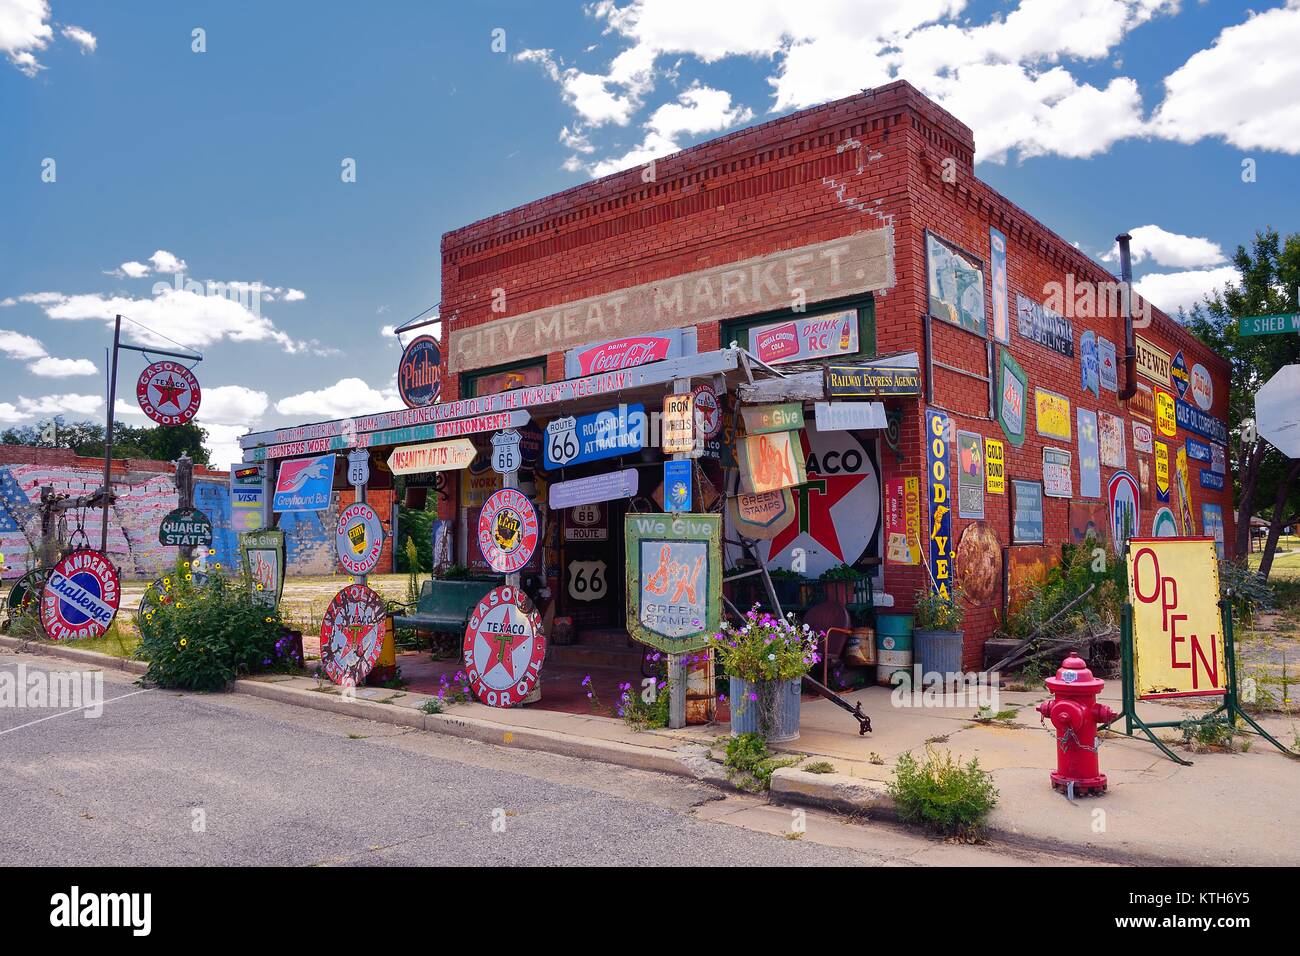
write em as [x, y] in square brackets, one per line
[507, 530]
[359, 538]
[504, 647]
[352, 635]
[168, 393]
[80, 597]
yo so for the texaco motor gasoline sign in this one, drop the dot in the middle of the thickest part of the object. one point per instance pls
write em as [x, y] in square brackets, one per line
[168, 393]
[80, 597]
[507, 530]
[504, 647]
[359, 538]
[352, 634]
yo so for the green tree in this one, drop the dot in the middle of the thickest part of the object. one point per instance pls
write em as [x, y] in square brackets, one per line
[1269, 283]
[158, 442]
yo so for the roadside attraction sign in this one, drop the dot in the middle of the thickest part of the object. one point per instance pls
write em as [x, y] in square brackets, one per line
[185, 527]
[508, 530]
[674, 579]
[168, 393]
[359, 538]
[419, 374]
[610, 433]
[504, 647]
[80, 597]
[352, 634]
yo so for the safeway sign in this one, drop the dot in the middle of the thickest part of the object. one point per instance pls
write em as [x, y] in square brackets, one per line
[1277, 411]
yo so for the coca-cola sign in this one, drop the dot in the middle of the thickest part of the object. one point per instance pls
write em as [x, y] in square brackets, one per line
[419, 376]
[628, 352]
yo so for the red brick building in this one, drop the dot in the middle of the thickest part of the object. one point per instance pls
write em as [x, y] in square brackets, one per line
[840, 211]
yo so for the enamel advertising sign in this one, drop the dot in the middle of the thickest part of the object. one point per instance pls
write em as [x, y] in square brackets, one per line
[939, 484]
[352, 635]
[1153, 361]
[168, 393]
[593, 489]
[1053, 414]
[801, 340]
[1013, 391]
[305, 484]
[627, 352]
[762, 516]
[432, 456]
[903, 520]
[185, 528]
[674, 578]
[80, 597]
[606, 434]
[508, 530]
[1125, 511]
[504, 647]
[770, 462]
[263, 554]
[419, 375]
[245, 497]
[359, 538]
[1177, 626]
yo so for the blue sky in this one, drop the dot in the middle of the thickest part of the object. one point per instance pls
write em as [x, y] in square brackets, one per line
[170, 164]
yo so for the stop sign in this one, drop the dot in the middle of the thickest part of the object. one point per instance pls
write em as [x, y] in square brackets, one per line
[1277, 411]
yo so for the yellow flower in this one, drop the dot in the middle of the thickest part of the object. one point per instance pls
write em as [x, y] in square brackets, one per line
[185, 564]
[184, 641]
[217, 565]
[259, 585]
[212, 550]
[269, 620]
[167, 582]
[188, 576]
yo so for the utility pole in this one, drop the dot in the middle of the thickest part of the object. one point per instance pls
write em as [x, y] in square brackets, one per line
[108, 435]
[185, 494]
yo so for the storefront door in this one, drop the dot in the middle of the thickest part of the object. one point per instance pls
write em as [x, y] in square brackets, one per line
[591, 565]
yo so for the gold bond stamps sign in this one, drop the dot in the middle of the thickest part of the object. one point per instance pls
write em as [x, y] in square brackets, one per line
[504, 647]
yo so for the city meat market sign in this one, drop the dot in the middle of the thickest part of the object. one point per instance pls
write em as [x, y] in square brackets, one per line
[508, 530]
[419, 375]
[80, 597]
[185, 528]
[504, 647]
[168, 393]
[674, 579]
[434, 456]
[862, 262]
[359, 538]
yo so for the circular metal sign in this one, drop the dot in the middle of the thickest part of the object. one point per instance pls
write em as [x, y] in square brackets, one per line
[80, 597]
[168, 393]
[352, 634]
[359, 538]
[419, 375]
[507, 530]
[504, 647]
[708, 411]
[185, 527]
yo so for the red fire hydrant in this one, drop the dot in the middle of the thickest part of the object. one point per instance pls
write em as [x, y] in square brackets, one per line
[1075, 713]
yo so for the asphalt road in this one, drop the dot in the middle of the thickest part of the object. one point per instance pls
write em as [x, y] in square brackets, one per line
[163, 778]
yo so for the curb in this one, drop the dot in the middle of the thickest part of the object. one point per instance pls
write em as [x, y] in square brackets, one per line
[92, 658]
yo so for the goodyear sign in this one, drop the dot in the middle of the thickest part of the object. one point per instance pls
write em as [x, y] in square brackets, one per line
[1177, 628]
[939, 486]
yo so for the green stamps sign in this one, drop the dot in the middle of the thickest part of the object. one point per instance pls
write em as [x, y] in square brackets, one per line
[674, 579]
[263, 554]
[1012, 398]
[185, 527]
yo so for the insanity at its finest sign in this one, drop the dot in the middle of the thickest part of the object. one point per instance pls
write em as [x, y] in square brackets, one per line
[185, 527]
[352, 635]
[504, 647]
[862, 262]
[674, 579]
[1177, 627]
[508, 530]
[419, 375]
[433, 456]
[359, 538]
[871, 381]
[168, 393]
[80, 597]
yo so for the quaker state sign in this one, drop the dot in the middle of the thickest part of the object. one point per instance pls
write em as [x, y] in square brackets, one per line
[504, 647]
[358, 538]
[185, 527]
[168, 393]
[80, 597]
[674, 579]
[508, 530]
[352, 635]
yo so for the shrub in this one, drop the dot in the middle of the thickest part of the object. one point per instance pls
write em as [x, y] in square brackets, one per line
[1079, 568]
[206, 637]
[767, 648]
[934, 613]
[637, 713]
[943, 794]
[751, 763]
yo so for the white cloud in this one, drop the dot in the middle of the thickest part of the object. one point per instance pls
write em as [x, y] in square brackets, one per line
[69, 404]
[294, 295]
[1243, 88]
[133, 269]
[22, 30]
[231, 405]
[19, 346]
[164, 261]
[1174, 290]
[62, 368]
[346, 397]
[82, 37]
[1170, 249]
[223, 444]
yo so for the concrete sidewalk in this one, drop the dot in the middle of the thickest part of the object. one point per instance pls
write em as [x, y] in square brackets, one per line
[1227, 809]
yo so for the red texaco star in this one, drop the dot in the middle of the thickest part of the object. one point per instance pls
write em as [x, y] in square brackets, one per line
[169, 392]
[503, 646]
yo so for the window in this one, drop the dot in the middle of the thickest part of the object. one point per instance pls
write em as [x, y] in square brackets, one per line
[502, 378]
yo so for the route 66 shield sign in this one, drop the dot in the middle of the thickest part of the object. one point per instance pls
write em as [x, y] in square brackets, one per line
[352, 635]
[358, 467]
[505, 451]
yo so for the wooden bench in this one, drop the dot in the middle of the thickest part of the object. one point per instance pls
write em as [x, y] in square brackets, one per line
[445, 606]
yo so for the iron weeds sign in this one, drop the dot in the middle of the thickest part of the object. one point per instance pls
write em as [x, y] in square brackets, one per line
[674, 580]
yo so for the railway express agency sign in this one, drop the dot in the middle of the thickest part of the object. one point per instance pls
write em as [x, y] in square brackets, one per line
[508, 530]
[504, 647]
[80, 597]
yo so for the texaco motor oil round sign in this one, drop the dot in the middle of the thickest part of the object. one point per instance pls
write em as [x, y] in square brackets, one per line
[168, 393]
[352, 635]
[504, 647]
[507, 530]
[80, 597]
[359, 538]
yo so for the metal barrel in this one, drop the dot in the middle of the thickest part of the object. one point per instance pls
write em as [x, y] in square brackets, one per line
[893, 646]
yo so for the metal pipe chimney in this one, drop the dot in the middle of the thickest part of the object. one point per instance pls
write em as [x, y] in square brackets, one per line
[1126, 298]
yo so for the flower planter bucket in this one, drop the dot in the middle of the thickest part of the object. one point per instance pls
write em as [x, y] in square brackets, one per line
[938, 652]
[893, 647]
[746, 713]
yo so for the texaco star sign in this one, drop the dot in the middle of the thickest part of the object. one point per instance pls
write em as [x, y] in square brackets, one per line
[168, 393]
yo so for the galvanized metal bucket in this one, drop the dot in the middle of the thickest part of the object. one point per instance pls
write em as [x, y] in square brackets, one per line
[782, 700]
[938, 652]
